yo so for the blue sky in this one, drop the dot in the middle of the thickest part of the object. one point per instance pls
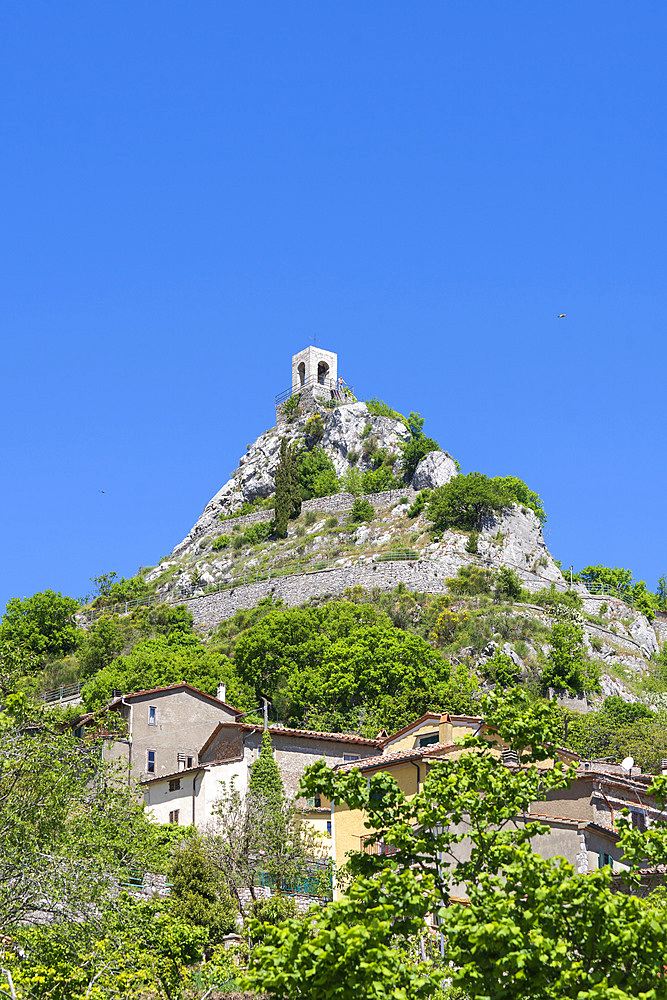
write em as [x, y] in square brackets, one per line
[192, 191]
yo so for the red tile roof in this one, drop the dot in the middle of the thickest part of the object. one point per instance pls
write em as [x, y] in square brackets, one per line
[387, 759]
[315, 734]
[349, 738]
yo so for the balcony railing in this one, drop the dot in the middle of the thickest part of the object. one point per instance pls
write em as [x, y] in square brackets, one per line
[377, 848]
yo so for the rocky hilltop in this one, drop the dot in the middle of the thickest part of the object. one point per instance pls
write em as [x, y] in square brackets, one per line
[352, 436]
[347, 430]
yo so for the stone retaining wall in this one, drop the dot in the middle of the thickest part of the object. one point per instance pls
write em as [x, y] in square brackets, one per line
[429, 576]
[421, 575]
[334, 504]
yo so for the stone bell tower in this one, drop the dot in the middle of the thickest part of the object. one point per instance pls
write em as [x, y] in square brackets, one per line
[317, 370]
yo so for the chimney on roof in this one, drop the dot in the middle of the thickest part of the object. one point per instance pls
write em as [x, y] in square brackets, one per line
[116, 693]
[222, 691]
[663, 766]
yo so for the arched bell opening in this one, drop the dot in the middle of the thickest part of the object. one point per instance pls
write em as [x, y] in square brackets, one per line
[322, 372]
[301, 369]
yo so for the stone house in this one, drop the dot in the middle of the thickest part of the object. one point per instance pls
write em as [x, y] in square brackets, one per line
[227, 756]
[161, 729]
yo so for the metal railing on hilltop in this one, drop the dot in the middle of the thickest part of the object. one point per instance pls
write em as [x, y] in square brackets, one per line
[328, 385]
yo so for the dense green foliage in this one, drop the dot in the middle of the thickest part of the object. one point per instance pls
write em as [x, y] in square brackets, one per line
[42, 624]
[517, 492]
[317, 475]
[465, 501]
[159, 647]
[362, 510]
[565, 669]
[344, 666]
[199, 894]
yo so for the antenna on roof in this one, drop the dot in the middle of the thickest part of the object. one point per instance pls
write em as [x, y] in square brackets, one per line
[628, 764]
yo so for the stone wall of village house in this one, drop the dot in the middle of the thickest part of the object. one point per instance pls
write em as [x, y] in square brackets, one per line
[228, 743]
[295, 753]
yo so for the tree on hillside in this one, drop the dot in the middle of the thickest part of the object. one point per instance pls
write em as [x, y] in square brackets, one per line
[417, 447]
[567, 669]
[517, 491]
[327, 665]
[288, 495]
[316, 475]
[464, 502]
[163, 660]
[42, 624]
[533, 929]
[616, 579]
[199, 894]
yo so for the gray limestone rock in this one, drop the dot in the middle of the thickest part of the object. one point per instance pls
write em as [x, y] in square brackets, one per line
[509, 650]
[642, 632]
[346, 432]
[435, 469]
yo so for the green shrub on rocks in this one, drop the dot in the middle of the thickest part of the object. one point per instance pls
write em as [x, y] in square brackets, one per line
[220, 542]
[362, 510]
[419, 504]
[316, 474]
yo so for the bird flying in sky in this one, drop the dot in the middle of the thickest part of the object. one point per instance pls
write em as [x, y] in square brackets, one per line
[560, 316]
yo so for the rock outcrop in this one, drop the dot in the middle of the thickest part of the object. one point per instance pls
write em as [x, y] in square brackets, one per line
[351, 435]
[435, 469]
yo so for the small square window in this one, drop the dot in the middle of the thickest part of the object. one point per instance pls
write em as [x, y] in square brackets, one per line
[78, 732]
[152, 715]
[425, 741]
[173, 816]
[347, 757]
[174, 784]
[150, 761]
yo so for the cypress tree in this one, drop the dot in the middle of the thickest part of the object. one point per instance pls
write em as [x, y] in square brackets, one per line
[265, 776]
[288, 495]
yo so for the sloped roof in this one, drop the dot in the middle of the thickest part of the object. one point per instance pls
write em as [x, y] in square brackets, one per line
[175, 687]
[434, 717]
[313, 734]
[396, 757]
